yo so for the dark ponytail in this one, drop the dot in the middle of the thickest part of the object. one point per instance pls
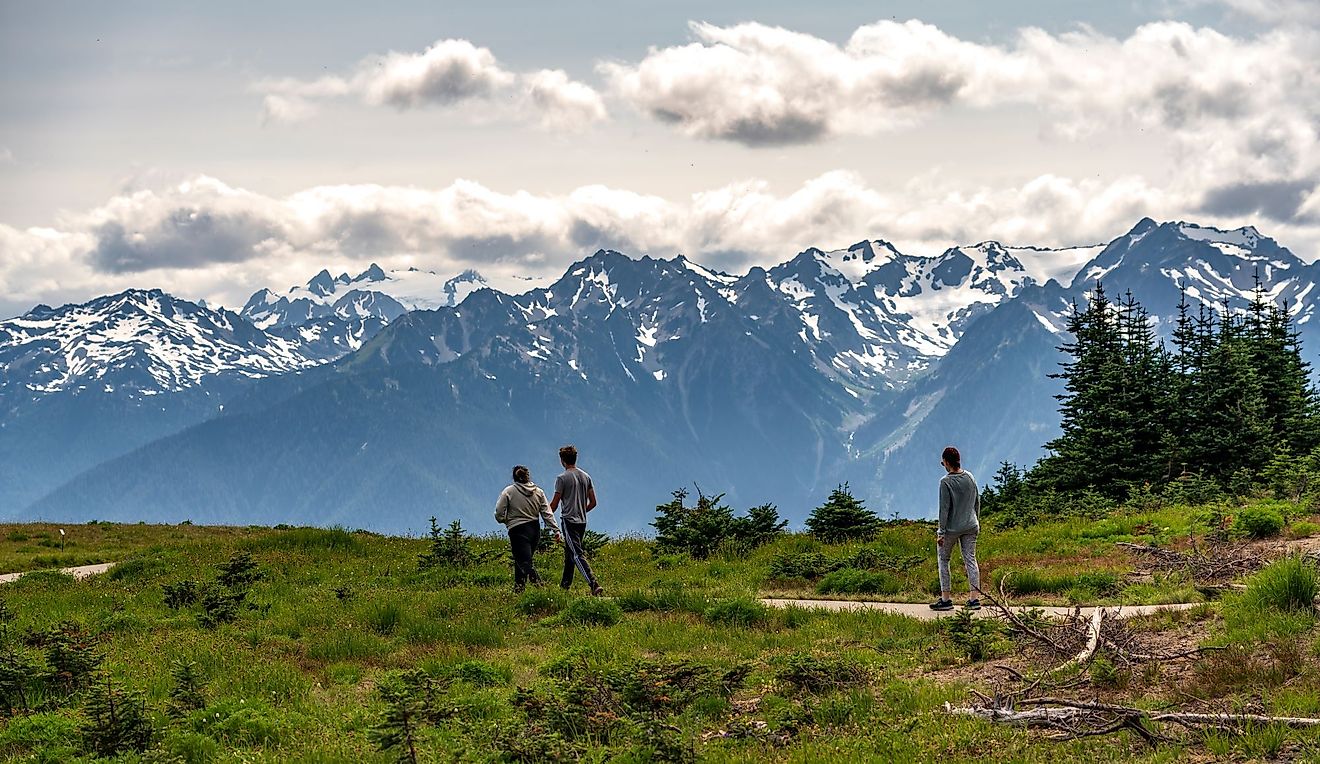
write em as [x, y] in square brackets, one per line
[521, 474]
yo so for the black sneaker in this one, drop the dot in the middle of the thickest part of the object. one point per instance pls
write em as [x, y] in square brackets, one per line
[973, 605]
[942, 604]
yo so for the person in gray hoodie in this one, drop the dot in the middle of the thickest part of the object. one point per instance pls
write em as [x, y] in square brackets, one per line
[519, 508]
[959, 525]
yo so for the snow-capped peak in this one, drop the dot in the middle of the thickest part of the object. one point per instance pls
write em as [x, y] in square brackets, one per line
[142, 342]
[1246, 237]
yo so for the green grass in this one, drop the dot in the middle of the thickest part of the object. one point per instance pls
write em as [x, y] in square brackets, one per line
[340, 614]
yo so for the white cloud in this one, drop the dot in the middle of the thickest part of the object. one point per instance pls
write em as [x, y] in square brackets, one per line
[561, 102]
[204, 238]
[1227, 105]
[1269, 11]
[446, 74]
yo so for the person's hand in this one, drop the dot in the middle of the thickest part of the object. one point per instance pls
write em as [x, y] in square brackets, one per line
[939, 541]
[559, 539]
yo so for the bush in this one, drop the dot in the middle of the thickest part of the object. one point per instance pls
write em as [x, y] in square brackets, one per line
[117, 721]
[1258, 522]
[854, 581]
[977, 638]
[702, 529]
[219, 606]
[452, 548]
[593, 611]
[738, 612]
[239, 573]
[1291, 584]
[810, 566]
[180, 595]
[815, 674]
[843, 518]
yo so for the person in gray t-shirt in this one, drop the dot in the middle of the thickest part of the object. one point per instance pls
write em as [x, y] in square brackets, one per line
[574, 491]
[959, 525]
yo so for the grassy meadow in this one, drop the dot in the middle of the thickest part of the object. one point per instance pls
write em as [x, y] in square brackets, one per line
[335, 646]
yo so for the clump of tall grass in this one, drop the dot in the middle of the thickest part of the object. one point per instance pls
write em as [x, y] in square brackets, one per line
[1289, 585]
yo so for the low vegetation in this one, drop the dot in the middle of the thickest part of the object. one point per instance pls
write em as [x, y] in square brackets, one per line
[218, 645]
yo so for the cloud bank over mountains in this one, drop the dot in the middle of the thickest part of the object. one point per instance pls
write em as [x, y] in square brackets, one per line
[1235, 113]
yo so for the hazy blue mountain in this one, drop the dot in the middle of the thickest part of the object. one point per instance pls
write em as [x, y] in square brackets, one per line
[85, 383]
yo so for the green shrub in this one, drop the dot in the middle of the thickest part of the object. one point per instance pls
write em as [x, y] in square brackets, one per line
[1258, 522]
[180, 594]
[239, 573]
[854, 581]
[843, 517]
[815, 674]
[738, 612]
[452, 548]
[702, 529]
[117, 721]
[591, 611]
[810, 566]
[977, 638]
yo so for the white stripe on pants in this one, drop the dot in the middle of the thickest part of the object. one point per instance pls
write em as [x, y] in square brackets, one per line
[944, 552]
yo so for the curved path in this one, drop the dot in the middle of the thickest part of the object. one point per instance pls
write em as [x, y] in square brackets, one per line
[80, 572]
[923, 612]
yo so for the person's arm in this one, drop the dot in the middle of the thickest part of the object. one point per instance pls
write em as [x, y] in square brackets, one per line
[946, 503]
[591, 499]
[547, 515]
[502, 507]
[977, 494]
[554, 503]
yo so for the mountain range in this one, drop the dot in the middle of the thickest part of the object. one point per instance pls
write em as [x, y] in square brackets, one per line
[381, 399]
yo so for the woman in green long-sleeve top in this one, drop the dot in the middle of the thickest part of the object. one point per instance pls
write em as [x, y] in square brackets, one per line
[959, 525]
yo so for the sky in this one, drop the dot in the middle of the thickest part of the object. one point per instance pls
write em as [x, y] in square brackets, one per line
[212, 149]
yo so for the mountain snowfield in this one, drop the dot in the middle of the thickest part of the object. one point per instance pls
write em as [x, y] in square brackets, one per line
[136, 343]
[773, 385]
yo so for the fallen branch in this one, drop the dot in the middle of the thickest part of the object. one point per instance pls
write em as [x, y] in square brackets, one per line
[1092, 642]
[1075, 719]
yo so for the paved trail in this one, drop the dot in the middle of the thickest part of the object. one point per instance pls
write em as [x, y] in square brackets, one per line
[80, 572]
[922, 611]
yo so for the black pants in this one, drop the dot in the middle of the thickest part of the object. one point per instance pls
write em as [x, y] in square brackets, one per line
[573, 533]
[523, 539]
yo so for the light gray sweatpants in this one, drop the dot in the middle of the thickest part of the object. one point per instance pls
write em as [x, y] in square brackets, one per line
[966, 540]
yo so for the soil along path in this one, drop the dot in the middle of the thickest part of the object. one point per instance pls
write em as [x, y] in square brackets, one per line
[923, 612]
[80, 572]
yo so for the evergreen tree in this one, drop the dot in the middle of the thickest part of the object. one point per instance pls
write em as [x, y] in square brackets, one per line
[117, 720]
[843, 517]
[1235, 433]
[697, 530]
